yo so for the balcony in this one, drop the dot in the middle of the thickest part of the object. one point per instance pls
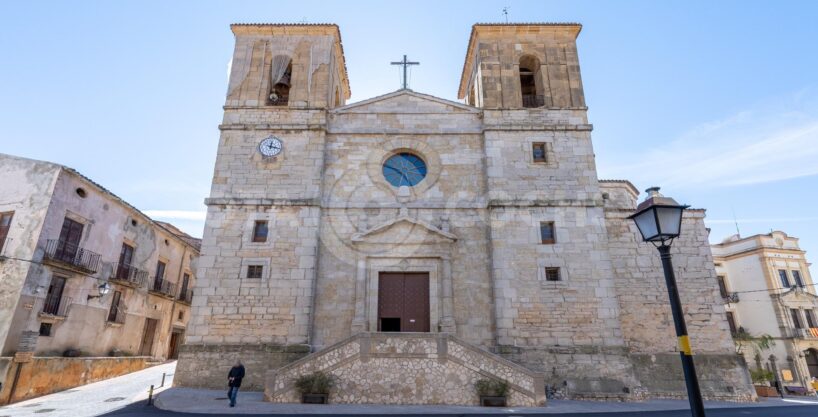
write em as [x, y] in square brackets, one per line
[808, 333]
[185, 296]
[730, 297]
[125, 274]
[56, 307]
[533, 101]
[72, 256]
[163, 287]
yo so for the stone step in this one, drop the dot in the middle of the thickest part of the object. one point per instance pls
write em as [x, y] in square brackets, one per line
[407, 368]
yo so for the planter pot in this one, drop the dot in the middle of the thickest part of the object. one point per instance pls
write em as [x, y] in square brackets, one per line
[486, 401]
[314, 398]
[765, 391]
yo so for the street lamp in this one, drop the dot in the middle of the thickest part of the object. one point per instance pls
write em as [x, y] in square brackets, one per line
[659, 220]
[103, 289]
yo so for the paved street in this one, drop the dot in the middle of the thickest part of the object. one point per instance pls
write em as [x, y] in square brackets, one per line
[94, 399]
[126, 396]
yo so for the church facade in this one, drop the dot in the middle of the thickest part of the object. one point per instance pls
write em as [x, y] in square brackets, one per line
[411, 245]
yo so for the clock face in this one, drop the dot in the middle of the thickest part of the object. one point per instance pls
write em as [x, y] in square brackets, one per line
[271, 146]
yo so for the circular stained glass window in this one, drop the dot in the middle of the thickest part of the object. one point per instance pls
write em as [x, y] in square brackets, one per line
[404, 169]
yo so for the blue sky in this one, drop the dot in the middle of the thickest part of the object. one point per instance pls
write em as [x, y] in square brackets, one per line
[715, 101]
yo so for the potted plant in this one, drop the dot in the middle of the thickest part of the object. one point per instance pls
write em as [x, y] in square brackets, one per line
[492, 392]
[761, 382]
[314, 387]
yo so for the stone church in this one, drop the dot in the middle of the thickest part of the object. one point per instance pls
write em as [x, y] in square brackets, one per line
[411, 245]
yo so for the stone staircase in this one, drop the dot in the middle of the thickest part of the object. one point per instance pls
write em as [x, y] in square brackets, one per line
[406, 368]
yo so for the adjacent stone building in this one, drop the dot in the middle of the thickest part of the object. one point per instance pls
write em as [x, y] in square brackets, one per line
[62, 237]
[415, 245]
[767, 290]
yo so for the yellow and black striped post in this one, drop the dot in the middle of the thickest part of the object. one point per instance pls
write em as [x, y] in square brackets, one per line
[694, 394]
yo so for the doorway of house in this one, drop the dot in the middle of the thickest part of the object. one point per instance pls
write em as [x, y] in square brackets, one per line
[146, 349]
[175, 340]
[403, 302]
[811, 355]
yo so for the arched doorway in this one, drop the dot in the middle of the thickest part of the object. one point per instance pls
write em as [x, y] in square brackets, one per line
[811, 356]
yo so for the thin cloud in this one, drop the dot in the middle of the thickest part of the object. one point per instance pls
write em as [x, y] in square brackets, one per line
[177, 214]
[768, 143]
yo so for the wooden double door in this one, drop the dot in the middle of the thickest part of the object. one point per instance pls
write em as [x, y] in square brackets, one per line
[403, 302]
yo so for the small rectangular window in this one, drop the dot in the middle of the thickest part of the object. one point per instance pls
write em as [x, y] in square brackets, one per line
[538, 152]
[547, 233]
[796, 318]
[723, 287]
[796, 276]
[731, 320]
[552, 274]
[785, 281]
[45, 329]
[114, 314]
[254, 271]
[181, 315]
[260, 231]
[5, 225]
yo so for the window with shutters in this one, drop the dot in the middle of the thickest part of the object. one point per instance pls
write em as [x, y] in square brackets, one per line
[796, 276]
[810, 316]
[547, 233]
[5, 225]
[796, 318]
[785, 281]
[723, 287]
[731, 320]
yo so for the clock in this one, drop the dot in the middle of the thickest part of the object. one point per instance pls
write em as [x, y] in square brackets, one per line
[271, 146]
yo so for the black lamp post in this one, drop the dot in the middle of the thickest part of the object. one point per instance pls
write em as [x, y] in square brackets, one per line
[659, 219]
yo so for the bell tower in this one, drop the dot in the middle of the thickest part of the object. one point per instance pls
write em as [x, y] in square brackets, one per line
[287, 65]
[513, 66]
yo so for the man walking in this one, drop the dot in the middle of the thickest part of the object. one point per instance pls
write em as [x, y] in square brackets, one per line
[234, 382]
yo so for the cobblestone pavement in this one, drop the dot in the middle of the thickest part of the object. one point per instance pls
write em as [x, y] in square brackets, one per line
[95, 399]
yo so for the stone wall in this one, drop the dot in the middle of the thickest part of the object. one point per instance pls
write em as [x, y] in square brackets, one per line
[207, 366]
[45, 375]
[407, 368]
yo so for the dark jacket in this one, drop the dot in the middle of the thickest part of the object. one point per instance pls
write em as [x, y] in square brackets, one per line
[235, 376]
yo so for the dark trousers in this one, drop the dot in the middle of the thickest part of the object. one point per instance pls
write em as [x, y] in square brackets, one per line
[232, 392]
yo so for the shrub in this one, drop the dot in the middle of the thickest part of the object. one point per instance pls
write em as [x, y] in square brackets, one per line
[761, 376]
[72, 353]
[314, 383]
[491, 388]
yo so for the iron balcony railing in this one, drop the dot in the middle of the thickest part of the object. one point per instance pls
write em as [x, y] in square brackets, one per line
[186, 296]
[807, 333]
[731, 297]
[163, 287]
[128, 274]
[532, 101]
[57, 306]
[72, 255]
[116, 315]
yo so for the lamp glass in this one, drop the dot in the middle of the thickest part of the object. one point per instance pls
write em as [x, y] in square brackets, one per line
[670, 220]
[104, 288]
[646, 222]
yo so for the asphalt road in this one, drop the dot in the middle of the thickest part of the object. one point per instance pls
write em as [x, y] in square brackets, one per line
[138, 410]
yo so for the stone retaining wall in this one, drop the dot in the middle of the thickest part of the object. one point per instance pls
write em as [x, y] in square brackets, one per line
[46, 375]
[407, 368]
[206, 366]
